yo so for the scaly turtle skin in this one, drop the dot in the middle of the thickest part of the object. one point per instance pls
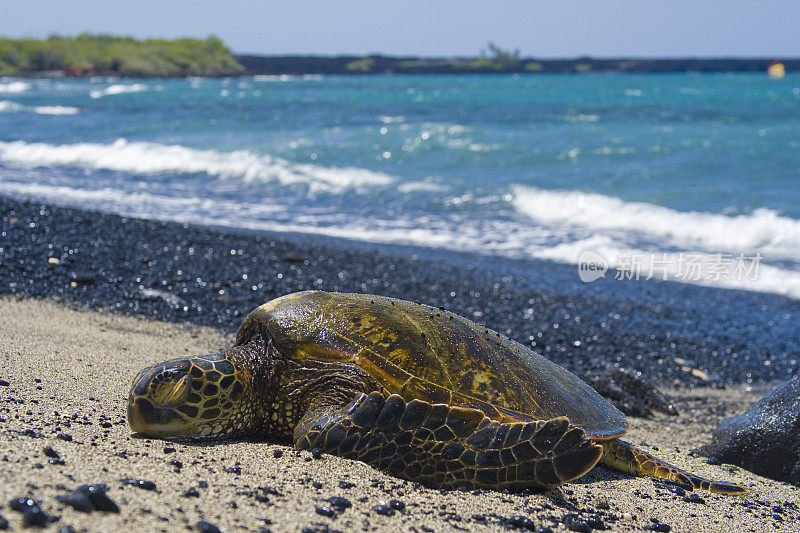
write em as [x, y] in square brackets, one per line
[420, 392]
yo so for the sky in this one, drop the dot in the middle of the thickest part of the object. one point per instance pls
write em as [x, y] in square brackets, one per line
[565, 28]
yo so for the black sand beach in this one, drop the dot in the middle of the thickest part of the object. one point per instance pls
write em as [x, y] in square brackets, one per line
[675, 334]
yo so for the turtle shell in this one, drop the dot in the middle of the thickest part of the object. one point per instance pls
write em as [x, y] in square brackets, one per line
[421, 352]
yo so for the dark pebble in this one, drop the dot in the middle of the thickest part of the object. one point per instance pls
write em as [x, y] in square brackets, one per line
[277, 454]
[34, 517]
[206, 527]
[177, 464]
[3, 523]
[521, 522]
[479, 517]
[100, 500]
[339, 503]
[675, 489]
[169, 449]
[580, 527]
[713, 461]
[20, 504]
[663, 528]
[66, 529]
[397, 505]
[346, 484]
[141, 483]
[316, 453]
[65, 437]
[191, 493]
[77, 500]
[50, 452]
[383, 509]
[4, 383]
[56, 462]
[694, 498]
[324, 510]
[596, 523]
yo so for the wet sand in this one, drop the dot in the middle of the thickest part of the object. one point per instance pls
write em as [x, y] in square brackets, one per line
[68, 373]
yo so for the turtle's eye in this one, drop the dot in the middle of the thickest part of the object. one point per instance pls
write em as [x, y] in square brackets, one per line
[171, 392]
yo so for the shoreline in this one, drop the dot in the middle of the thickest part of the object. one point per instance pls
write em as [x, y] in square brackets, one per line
[671, 332]
[376, 64]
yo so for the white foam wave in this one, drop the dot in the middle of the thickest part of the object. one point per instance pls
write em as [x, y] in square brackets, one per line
[7, 106]
[55, 110]
[118, 88]
[286, 77]
[14, 87]
[744, 272]
[762, 230]
[145, 157]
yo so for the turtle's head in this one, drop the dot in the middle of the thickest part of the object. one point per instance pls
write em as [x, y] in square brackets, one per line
[202, 396]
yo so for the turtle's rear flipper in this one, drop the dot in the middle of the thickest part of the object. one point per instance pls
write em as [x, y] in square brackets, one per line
[446, 446]
[623, 456]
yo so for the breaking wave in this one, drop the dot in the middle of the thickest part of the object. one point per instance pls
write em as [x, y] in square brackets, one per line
[145, 157]
[762, 230]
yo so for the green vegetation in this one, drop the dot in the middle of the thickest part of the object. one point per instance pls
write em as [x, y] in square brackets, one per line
[533, 66]
[361, 65]
[496, 59]
[125, 56]
[583, 68]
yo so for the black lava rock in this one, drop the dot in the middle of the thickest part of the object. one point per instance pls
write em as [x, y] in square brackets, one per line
[325, 510]
[34, 517]
[765, 439]
[207, 527]
[521, 522]
[141, 483]
[20, 504]
[100, 500]
[77, 500]
[32, 514]
[3, 523]
[694, 498]
[339, 503]
[383, 509]
[397, 505]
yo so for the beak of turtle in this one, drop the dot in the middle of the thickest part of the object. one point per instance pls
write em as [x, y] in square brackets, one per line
[155, 415]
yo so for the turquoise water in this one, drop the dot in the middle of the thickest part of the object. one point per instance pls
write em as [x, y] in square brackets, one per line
[539, 166]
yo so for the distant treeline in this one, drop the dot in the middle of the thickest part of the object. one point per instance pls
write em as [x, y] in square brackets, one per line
[376, 64]
[89, 54]
[123, 56]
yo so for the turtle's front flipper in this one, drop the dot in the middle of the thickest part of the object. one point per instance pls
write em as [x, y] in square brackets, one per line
[446, 446]
[623, 456]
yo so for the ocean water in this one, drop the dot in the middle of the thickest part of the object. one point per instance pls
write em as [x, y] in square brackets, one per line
[694, 178]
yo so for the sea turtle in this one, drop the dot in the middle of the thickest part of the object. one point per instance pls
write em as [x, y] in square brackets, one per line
[417, 391]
